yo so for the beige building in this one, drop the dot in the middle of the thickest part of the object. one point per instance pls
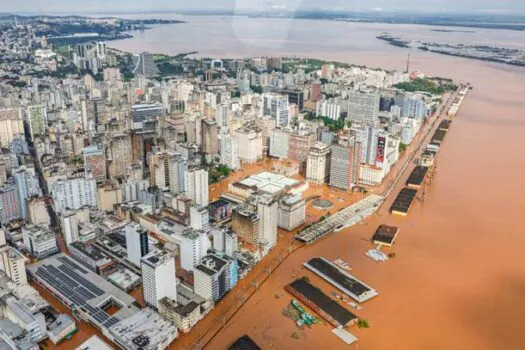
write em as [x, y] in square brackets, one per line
[250, 140]
[108, 195]
[292, 212]
[38, 214]
[11, 126]
[120, 156]
[318, 163]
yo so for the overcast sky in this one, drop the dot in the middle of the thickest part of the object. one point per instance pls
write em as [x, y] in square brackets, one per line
[462, 6]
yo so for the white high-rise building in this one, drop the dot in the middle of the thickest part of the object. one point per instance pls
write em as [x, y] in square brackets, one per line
[136, 242]
[196, 182]
[230, 152]
[277, 107]
[328, 108]
[250, 140]
[74, 193]
[12, 262]
[177, 166]
[318, 163]
[292, 212]
[279, 143]
[158, 277]
[268, 210]
[199, 218]
[193, 245]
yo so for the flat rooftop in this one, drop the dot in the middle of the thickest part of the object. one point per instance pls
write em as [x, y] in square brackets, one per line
[403, 201]
[315, 299]
[94, 343]
[417, 176]
[82, 290]
[144, 330]
[156, 257]
[268, 182]
[385, 234]
[341, 279]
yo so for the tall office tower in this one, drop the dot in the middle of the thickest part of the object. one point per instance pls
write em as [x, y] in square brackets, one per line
[318, 163]
[120, 155]
[268, 210]
[274, 63]
[95, 161]
[215, 276]
[136, 242]
[366, 135]
[295, 97]
[37, 119]
[12, 262]
[131, 190]
[328, 108]
[177, 168]
[74, 193]
[279, 143]
[11, 126]
[250, 143]
[101, 49]
[143, 64]
[84, 116]
[363, 107]
[209, 137]
[267, 125]
[245, 223]
[277, 107]
[344, 166]
[222, 115]
[230, 152]
[27, 187]
[196, 182]
[414, 107]
[299, 143]
[158, 277]
[10, 206]
[292, 211]
[200, 218]
[159, 170]
[225, 241]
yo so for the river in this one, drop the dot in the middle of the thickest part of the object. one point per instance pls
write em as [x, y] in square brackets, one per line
[458, 281]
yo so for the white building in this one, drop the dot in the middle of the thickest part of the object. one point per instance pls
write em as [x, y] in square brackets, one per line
[250, 141]
[158, 277]
[193, 245]
[74, 193]
[328, 108]
[196, 181]
[39, 241]
[213, 277]
[318, 163]
[225, 241]
[230, 152]
[200, 218]
[136, 242]
[279, 143]
[268, 210]
[292, 212]
[275, 106]
[19, 312]
[12, 262]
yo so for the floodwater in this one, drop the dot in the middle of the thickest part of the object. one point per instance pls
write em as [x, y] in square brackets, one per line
[458, 279]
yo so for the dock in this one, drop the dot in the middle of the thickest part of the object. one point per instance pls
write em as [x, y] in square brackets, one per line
[319, 302]
[341, 279]
[403, 202]
[385, 235]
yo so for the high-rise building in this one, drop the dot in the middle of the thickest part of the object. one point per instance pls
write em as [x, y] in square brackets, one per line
[230, 152]
[209, 137]
[215, 276]
[318, 163]
[250, 143]
[177, 168]
[74, 193]
[11, 126]
[120, 156]
[27, 187]
[158, 277]
[39, 241]
[268, 210]
[279, 143]
[95, 161]
[200, 218]
[344, 165]
[159, 170]
[196, 183]
[363, 107]
[10, 206]
[136, 242]
[132, 189]
[267, 125]
[299, 143]
[193, 245]
[245, 223]
[295, 97]
[316, 92]
[12, 262]
[328, 108]
[37, 119]
[277, 107]
[292, 212]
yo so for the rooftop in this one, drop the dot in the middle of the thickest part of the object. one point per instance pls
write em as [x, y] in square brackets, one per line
[156, 258]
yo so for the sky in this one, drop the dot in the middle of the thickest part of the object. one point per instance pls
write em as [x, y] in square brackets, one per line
[453, 6]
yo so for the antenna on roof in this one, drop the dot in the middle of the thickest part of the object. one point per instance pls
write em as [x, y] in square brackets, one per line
[408, 64]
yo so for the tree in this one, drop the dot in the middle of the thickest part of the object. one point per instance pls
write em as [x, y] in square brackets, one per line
[362, 323]
[402, 147]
